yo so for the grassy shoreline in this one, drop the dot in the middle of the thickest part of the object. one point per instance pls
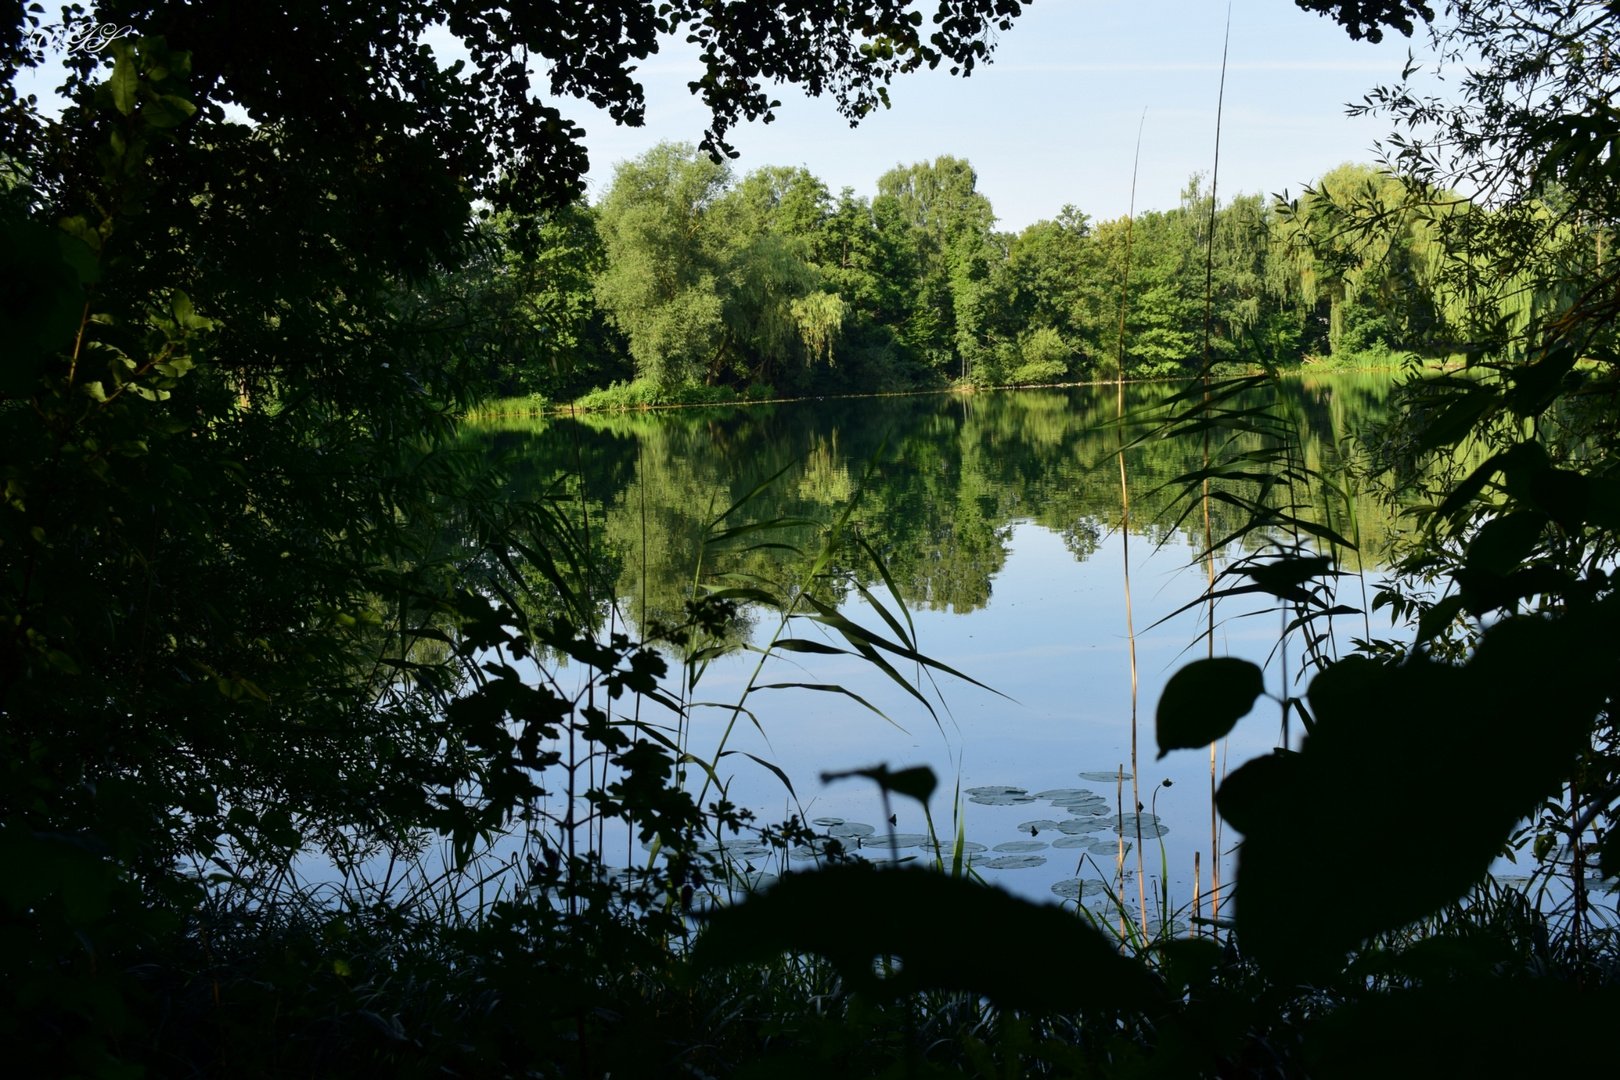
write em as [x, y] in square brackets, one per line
[534, 405]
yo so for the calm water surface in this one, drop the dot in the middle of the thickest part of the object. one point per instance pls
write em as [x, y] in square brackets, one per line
[999, 516]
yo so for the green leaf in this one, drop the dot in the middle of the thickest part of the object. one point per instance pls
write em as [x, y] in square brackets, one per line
[80, 256]
[855, 914]
[1203, 700]
[167, 110]
[125, 82]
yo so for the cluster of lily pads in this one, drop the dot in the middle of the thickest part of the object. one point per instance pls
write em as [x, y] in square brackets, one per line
[1092, 826]
[1089, 816]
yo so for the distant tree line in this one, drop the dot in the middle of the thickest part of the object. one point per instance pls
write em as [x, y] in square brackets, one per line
[684, 274]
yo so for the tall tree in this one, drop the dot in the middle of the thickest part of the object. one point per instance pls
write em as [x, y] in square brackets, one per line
[666, 224]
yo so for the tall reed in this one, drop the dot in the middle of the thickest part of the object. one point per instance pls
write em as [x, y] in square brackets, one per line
[1209, 536]
[1125, 523]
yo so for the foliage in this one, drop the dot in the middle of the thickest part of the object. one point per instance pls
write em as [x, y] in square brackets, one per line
[685, 274]
[262, 610]
[424, 141]
[645, 393]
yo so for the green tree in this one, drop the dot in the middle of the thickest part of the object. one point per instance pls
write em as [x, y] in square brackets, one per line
[934, 209]
[667, 230]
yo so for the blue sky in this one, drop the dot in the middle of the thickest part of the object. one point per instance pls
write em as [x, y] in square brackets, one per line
[1053, 120]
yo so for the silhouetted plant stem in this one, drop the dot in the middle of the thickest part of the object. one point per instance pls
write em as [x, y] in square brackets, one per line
[1125, 524]
[1577, 875]
[570, 823]
[1198, 899]
[1119, 863]
[1209, 536]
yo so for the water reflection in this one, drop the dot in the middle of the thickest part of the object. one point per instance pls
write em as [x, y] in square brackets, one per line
[954, 474]
[998, 515]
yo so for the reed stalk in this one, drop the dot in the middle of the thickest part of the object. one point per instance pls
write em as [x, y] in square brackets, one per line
[1119, 863]
[1209, 535]
[1198, 899]
[571, 823]
[1125, 527]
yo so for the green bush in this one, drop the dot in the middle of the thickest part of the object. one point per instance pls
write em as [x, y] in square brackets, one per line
[647, 394]
[520, 405]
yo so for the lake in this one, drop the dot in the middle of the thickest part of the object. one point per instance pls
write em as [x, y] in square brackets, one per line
[998, 516]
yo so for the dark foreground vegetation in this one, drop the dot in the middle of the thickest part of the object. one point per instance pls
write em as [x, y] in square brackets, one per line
[297, 782]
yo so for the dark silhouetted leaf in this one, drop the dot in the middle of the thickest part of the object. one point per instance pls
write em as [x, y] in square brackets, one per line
[918, 782]
[1203, 700]
[1283, 577]
[853, 915]
[1486, 741]
[1535, 385]
[1505, 542]
[1440, 616]
[1459, 417]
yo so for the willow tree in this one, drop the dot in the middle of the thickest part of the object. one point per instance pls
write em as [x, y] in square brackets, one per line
[665, 225]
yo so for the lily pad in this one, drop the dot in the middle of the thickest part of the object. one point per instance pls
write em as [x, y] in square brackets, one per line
[824, 822]
[739, 851]
[1110, 848]
[901, 840]
[968, 848]
[1079, 888]
[996, 789]
[1171, 928]
[1042, 825]
[754, 880]
[1075, 826]
[1103, 776]
[1011, 862]
[850, 828]
[1072, 842]
[1021, 846]
[1130, 819]
[1146, 831]
[1002, 799]
[819, 849]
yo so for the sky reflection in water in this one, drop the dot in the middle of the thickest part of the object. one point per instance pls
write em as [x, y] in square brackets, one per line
[999, 516]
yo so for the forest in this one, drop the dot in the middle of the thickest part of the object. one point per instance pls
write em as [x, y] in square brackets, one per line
[685, 278]
[323, 725]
